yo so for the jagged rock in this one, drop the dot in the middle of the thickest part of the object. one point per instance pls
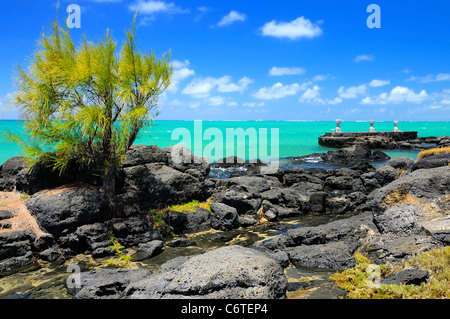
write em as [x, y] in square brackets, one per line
[224, 217]
[402, 163]
[437, 160]
[148, 250]
[108, 283]
[333, 255]
[408, 276]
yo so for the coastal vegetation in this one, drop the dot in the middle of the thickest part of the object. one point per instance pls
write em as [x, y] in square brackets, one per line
[432, 152]
[84, 106]
[123, 259]
[436, 262]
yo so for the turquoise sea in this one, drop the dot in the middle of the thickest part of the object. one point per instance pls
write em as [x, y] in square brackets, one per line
[295, 138]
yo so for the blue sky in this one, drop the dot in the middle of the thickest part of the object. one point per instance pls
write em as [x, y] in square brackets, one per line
[266, 60]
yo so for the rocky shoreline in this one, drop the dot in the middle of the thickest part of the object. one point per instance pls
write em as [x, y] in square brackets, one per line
[388, 213]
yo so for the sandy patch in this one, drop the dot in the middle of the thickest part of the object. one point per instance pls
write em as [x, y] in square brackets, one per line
[22, 219]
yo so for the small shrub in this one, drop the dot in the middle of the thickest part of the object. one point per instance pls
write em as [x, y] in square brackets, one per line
[123, 259]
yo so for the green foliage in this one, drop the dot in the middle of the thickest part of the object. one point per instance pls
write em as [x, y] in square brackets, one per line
[437, 262]
[158, 214]
[123, 259]
[190, 207]
[86, 105]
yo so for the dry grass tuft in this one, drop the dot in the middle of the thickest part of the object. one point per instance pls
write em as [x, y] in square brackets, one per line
[397, 197]
[432, 152]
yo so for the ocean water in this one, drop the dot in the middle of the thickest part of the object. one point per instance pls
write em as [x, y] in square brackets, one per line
[295, 138]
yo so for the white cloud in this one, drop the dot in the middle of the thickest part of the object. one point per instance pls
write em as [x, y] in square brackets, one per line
[180, 73]
[311, 94]
[399, 94]
[254, 104]
[431, 78]
[232, 17]
[378, 83]
[202, 87]
[364, 57]
[321, 77]
[216, 100]
[275, 71]
[336, 100]
[225, 85]
[352, 92]
[153, 7]
[296, 29]
[180, 64]
[278, 91]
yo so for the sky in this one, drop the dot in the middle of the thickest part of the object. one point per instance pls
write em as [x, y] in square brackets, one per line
[265, 60]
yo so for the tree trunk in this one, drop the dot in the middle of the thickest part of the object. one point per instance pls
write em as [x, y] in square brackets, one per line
[109, 185]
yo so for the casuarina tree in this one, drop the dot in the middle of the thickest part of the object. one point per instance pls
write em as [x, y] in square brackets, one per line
[85, 104]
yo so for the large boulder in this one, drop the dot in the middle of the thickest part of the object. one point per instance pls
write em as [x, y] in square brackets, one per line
[156, 185]
[63, 210]
[425, 184]
[356, 156]
[352, 231]
[188, 222]
[231, 272]
[182, 159]
[145, 154]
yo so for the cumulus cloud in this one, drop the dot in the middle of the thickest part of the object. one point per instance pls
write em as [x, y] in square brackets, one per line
[276, 71]
[312, 96]
[296, 29]
[399, 94]
[202, 87]
[278, 91]
[180, 73]
[352, 92]
[311, 93]
[231, 18]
